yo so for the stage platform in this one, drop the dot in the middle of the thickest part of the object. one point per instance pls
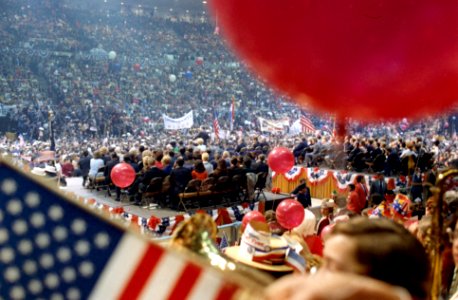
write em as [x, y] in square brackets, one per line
[74, 184]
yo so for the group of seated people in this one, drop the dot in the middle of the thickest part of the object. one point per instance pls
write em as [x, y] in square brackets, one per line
[359, 154]
[176, 170]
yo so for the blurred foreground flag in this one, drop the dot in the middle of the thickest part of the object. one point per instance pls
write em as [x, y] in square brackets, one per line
[54, 248]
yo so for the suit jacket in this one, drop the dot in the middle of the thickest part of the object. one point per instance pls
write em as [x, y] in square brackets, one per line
[378, 187]
[85, 165]
[261, 167]
[179, 178]
[108, 169]
[152, 173]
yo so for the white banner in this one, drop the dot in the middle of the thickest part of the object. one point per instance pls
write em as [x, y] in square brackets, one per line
[273, 125]
[181, 123]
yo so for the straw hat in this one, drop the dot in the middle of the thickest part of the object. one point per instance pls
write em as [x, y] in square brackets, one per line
[261, 250]
[50, 169]
[38, 171]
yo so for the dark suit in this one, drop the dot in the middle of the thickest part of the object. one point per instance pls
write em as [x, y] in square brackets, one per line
[109, 167]
[261, 167]
[85, 165]
[299, 149]
[378, 187]
[152, 173]
[179, 178]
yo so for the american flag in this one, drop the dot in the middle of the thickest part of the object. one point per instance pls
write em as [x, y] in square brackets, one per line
[54, 248]
[306, 123]
[216, 125]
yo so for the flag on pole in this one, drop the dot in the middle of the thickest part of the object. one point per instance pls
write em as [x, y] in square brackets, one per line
[306, 123]
[216, 31]
[232, 113]
[53, 247]
[216, 125]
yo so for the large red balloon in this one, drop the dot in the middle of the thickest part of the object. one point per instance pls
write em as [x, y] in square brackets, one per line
[290, 213]
[253, 215]
[122, 175]
[363, 59]
[280, 160]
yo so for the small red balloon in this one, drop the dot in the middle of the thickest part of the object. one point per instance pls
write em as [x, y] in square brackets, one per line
[281, 160]
[252, 216]
[356, 58]
[137, 67]
[290, 213]
[122, 175]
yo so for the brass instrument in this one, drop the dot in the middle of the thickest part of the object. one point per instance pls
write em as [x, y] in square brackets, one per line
[434, 246]
[198, 235]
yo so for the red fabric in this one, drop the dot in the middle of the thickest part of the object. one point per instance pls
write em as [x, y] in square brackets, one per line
[200, 176]
[178, 220]
[322, 224]
[362, 195]
[315, 244]
[153, 222]
[223, 217]
[67, 169]
[353, 202]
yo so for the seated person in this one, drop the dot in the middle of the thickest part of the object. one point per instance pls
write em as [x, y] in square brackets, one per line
[199, 171]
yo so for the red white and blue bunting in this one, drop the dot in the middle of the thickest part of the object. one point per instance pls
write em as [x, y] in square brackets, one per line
[165, 226]
[316, 176]
[293, 174]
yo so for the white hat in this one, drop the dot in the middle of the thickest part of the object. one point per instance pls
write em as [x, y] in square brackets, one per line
[38, 171]
[50, 169]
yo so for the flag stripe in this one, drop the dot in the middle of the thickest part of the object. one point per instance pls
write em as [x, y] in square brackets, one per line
[216, 125]
[185, 283]
[227, 292]
[163, 279]
[207, 287]
[307, 124]
[119, 268]
[145, 266]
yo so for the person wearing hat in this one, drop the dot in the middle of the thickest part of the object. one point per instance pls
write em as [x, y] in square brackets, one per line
[261, 250]
[327, 208]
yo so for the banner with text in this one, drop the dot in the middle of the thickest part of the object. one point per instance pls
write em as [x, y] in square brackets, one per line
[273, 125]
[181, 123]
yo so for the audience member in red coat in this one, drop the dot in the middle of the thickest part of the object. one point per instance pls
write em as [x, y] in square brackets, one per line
[361, 190]
[353, 200]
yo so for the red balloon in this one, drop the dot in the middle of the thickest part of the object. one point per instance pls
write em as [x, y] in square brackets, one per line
[137, 67]
[326, 231]
[280, 160]
[355, 58]
[290, 213]
[253, 215]
[122, 175]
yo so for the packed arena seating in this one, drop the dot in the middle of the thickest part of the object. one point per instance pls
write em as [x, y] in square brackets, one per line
[109, 76]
